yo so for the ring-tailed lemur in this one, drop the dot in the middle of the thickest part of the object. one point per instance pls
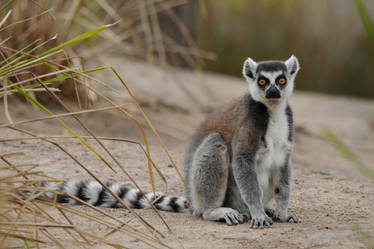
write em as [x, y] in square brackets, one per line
[240, 157]
[238, 160]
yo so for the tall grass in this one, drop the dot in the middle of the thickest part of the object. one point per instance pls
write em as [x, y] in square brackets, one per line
[37, 65]
[137, 34]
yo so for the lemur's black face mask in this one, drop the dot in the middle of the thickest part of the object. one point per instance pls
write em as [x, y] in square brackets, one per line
[272, 93]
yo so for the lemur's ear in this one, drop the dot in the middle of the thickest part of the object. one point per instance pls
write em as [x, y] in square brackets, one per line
[249, 68]
[292, 65]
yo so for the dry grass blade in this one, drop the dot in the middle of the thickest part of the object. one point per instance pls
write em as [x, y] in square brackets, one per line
[5, 18]
[22, 53]
[65, 114]
[157, 33]
[19, 153]
[20, 237]
[5, 224]
[127, 228]
[25, 20]
[147, 31]
[6, 93]
[34, 78]
[150, 124]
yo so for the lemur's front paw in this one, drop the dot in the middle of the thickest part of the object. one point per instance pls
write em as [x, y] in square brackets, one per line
[261, 221]
[286, 218]
[233, 218]
[269, 211]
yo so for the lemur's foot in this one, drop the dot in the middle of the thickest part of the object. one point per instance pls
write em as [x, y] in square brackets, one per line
[276, 216]
[288, 218]
[228, 215]
[233, 218]
[261, 221]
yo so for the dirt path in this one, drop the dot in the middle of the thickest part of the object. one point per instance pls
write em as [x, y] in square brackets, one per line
[333, 199]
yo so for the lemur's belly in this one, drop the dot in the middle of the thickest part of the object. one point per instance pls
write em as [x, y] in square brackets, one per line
[269, 160]
[271, 155]
[265, 173]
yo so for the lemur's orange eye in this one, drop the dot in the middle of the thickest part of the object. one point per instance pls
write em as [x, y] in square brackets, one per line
[282, 81]
[262, 82]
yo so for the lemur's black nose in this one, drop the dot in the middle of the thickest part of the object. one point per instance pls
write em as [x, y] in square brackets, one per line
[272, 93]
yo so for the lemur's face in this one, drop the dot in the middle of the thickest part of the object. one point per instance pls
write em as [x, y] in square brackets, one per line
[271, 81]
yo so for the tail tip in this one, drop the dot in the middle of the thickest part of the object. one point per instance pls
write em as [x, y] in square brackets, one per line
[183, 202]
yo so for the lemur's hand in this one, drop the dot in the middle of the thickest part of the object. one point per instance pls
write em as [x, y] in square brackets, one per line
[260, 221]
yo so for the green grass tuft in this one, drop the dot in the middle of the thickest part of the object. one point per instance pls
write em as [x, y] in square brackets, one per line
[363, 237]
[366, 19]
[6, 5]
[347, 153]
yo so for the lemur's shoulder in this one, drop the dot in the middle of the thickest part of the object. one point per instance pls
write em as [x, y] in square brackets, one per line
[242, 113]
[223, 120]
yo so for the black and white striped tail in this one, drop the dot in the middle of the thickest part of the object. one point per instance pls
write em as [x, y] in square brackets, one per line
[93, 193]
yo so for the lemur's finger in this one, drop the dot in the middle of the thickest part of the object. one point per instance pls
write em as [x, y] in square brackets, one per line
[294, 218]
[234, 220]
[253, 223]
[239, 218]
[261, 224]
[269, 220]
[267, 223]
[257, 223]
[228, 220]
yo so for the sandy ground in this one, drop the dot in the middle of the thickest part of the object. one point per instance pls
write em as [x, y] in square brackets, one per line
[332, 198]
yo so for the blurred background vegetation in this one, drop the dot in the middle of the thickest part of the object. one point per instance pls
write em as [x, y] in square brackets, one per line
[328, 37]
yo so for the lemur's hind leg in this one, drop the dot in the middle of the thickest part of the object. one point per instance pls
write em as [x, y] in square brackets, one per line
[209, 176]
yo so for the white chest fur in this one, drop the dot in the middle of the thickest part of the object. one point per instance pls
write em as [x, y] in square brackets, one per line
[272, 154]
